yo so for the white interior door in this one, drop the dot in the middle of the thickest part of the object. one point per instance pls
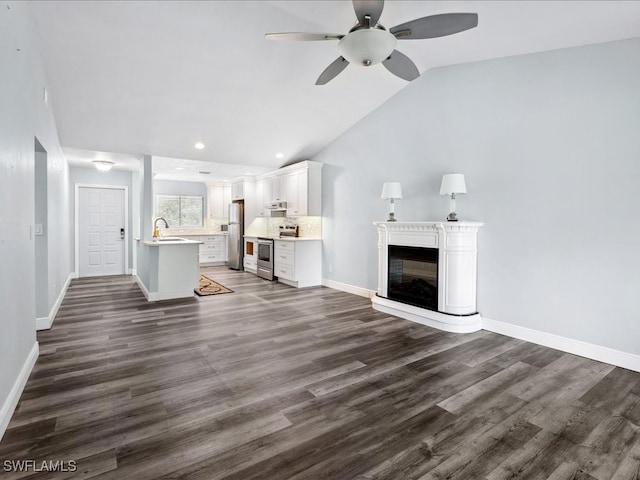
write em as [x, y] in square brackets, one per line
[101, 224]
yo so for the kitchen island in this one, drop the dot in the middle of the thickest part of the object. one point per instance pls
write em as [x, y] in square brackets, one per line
[171, 268]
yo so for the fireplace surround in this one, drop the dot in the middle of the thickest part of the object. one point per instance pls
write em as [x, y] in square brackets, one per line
[427, 273]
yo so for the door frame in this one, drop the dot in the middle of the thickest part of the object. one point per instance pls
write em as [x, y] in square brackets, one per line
[76, 248]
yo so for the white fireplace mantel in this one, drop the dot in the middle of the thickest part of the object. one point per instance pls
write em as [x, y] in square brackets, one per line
[457, 244]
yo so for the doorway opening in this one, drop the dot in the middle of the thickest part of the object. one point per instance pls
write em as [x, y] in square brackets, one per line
[40, 233]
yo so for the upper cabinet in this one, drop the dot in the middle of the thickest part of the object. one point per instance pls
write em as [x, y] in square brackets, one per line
[300, 185]
[303, 187]
[219, 200]
[272, 189]
[237, 190]
[269, 189]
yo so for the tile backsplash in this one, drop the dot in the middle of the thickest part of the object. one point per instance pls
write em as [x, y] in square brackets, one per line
[307, 226]
[269, 227]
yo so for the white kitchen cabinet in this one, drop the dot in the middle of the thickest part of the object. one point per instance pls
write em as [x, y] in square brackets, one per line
[219, 200]
[251, 254]
[303, 186]
[300, 185]
[226, 200]
[268, 190]
[260, 210]
[297, 193]
[237, 190]
[272, 190]
[213, 249]
[298, 263]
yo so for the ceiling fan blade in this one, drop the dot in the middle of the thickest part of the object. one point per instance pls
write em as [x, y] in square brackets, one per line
[435, 26]
[372, 8]
[303, 37]
[332, 71]
[401, 66]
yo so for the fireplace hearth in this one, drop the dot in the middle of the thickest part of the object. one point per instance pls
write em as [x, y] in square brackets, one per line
[427, 273]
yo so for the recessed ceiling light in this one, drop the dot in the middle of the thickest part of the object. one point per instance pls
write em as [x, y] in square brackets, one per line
[179, 168]
[279, 155]
[199, 145]
[249, 173]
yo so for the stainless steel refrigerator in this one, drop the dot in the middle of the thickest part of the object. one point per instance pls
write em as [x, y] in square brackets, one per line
[236, 235]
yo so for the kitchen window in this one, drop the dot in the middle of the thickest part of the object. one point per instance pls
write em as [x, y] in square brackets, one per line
[181, 210]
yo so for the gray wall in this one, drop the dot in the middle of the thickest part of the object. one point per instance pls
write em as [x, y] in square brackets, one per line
[550, 147]
[92, 176]
[23, 117]
[170, 187]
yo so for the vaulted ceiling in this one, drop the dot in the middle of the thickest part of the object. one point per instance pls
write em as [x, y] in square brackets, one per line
[155, 77]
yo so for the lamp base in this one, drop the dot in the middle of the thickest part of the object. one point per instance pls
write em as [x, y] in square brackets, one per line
[452, 217]
[392, 217]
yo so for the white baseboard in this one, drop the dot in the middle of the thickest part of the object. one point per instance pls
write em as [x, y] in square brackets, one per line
[156, 296]
[143, 287]
[132, 271]
[345, 287]
[44, 323]
[9, 405]
[565, 344]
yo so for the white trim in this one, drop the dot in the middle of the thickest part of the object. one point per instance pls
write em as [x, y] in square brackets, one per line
[132, 271]
[565, 344]
[78, 186]
[143, 287]
[44, 323]
[9, 405]
[155, 296]
[441, 321]
[345, 287]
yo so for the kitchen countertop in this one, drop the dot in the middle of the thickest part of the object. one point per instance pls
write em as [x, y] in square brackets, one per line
[156, 243]
[195, 234]
[286, 239]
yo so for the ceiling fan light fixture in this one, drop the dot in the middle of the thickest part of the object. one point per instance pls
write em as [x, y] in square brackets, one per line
[367, 47]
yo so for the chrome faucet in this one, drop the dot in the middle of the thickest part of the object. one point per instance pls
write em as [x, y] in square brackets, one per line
[156, 232]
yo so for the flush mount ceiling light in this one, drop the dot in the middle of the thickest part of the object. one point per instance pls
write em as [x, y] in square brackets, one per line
[199, 146]
[103, 165]
[369, 43]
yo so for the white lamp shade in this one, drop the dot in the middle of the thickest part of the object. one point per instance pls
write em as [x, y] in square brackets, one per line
[453, 183]
[391, 190]
[367, 46]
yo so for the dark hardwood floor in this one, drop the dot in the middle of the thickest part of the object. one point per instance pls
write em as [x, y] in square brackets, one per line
[270, 382]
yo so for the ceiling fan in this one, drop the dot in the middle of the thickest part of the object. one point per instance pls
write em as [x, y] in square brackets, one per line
[369, 43]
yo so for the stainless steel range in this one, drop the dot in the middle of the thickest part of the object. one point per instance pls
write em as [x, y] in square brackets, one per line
[265, 258]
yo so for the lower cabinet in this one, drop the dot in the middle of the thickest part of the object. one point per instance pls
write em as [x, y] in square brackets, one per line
[251, 254]
[213, 249]
[298, 262]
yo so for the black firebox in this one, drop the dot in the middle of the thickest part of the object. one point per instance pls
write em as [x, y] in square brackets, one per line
[413, 276]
